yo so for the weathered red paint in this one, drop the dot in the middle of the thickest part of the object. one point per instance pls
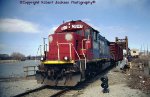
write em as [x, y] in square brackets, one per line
[64, 50]
[60, 46]
[72, 26]
[116, 51]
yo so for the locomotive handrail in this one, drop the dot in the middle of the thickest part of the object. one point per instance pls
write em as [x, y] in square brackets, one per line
[77, 55]
[70, 49]
[83, 52]
[58, 51]
[83, 41]
[71, 45]
[76, 52]
[85, 58]
[70, 52]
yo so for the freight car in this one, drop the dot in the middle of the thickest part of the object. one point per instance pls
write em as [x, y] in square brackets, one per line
[116, 51]
[76, 51]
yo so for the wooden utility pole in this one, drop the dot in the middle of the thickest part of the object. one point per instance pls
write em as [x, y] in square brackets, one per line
[44, 48]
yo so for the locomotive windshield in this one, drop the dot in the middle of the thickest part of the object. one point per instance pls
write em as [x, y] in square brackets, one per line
[79, 32]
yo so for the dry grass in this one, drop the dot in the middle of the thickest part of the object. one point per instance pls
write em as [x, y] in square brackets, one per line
[138, 79]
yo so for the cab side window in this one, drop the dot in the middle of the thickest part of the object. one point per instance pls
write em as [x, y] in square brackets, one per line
[87, 33]
[95, 35]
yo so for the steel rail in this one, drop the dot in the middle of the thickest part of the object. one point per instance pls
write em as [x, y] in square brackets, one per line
[82, 84]
[58, 94]
[30, 91]
[68, 89]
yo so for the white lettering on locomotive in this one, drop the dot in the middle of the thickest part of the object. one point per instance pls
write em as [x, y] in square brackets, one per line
[64, 28]
[77, 26]
[72, 27]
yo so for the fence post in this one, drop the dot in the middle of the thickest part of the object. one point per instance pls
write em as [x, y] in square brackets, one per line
[34, 70]
[28, 69]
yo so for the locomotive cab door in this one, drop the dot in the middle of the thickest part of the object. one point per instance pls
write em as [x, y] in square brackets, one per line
[95, 40]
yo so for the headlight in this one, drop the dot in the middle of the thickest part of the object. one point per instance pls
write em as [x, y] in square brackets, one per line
[50, 39]
[41, 58]
[68, 37]
[66, 58]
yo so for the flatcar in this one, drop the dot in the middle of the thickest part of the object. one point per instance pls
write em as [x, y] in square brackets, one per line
[76, 52]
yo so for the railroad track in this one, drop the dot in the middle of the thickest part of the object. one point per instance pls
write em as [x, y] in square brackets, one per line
[68, 91]
[30, 91]
[52, 91]
[58, 94]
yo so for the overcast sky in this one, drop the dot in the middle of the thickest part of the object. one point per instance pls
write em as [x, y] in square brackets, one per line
[22, 26]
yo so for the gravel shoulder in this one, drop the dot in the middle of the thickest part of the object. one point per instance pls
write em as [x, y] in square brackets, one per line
[12, 88]
[118, 86]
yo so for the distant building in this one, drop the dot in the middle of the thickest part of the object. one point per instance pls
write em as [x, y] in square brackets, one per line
[134, 52]
[4, 57]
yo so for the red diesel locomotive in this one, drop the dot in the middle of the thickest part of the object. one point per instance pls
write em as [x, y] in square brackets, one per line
[76, 51]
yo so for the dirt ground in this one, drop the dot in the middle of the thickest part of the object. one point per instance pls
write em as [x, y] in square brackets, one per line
[139, 77]
[119, 86]
[131, 84]
[12, 88]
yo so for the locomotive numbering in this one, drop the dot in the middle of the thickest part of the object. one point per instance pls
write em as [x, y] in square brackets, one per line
[72, 27]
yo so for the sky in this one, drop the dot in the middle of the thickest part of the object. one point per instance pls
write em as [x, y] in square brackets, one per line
[23, 24]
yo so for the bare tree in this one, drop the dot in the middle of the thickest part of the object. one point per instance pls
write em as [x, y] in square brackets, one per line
[17, 56]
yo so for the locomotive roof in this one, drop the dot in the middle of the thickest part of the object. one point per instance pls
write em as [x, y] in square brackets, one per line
[73, 25]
